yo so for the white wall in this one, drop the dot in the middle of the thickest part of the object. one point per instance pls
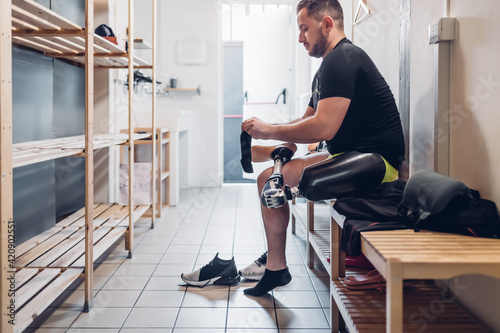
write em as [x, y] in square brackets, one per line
[474, 100]
[178, 20]
[475, 86]
[474, 153]
[378, 35]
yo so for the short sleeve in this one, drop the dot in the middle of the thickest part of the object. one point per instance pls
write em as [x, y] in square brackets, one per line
[337, 76]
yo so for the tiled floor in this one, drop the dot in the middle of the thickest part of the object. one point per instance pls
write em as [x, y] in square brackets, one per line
[145, 293]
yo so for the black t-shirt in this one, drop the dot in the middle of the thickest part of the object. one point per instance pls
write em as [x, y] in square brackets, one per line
[372, 122]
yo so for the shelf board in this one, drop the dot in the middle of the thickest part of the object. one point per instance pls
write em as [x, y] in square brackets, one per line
[32, 152]
[37, 27]
[196, 90]
[45, 292]
[141, 44]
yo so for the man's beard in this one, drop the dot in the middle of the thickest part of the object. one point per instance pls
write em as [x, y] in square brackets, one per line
[319, 48]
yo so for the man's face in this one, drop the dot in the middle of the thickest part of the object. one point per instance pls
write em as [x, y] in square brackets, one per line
[311, 34]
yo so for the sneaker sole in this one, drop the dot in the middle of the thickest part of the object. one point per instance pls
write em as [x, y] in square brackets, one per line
[250, 277]
[217, 281]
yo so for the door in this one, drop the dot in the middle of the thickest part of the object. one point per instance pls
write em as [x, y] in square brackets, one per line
[233, 111]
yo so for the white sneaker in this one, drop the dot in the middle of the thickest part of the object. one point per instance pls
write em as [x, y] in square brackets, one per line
[255, 270]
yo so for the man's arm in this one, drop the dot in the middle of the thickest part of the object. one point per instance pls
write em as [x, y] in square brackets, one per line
[322, 125]
[309, 113]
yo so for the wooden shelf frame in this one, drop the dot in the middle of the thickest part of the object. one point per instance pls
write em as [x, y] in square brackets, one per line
[41, 280]
[36, 27]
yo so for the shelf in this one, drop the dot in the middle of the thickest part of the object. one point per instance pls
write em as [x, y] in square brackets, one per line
[320, 242]
[32, 152]
[49, 262]
[63, 246]
[196, 90]
[36, 27]
[364, 310]
[41, 290]
[141, 44]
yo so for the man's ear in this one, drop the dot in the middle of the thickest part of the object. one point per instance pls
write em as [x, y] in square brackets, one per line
[328, 23]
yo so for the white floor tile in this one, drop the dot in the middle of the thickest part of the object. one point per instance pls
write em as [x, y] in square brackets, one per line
[160, 299]
[102, 318]
[202, 318]
[56, 318]
[116, 299]
[172, 270]
[151, 317]
[93, 330]
[201, 298]
[135, 269]
[301, 318]
[165, 283]
[251, 318]
[126, 283]
[237, 299]
[296, 299]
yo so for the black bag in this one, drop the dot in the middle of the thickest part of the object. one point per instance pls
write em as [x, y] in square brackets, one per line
[435, 202]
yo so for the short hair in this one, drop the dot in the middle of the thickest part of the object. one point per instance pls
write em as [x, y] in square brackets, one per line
[320, 8]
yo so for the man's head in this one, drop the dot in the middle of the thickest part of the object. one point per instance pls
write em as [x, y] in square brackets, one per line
[317, 19]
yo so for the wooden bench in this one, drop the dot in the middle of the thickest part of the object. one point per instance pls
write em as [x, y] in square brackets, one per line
[404, 254]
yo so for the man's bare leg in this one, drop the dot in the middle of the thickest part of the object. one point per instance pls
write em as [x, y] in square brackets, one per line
[276, 223]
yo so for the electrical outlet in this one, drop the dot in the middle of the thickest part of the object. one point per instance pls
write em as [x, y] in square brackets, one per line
[442, 31]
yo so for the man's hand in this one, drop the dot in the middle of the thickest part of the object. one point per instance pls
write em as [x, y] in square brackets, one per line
[257, 128]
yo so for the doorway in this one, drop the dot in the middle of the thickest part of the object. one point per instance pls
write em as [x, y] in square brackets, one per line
[258, 75]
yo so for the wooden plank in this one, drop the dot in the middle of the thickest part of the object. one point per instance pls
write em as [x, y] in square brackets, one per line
[46, 14]
[45, 246]
[44, 156]
[66, 43]
[34, 308]
[33, 44]
[78, 251]
[35, 285]
[31, 18]
[34, 241]
[105, 243]
[59, 250]
[107, 215]
[138, 212]
[48, 43]
[24, 275]
[107, 45]
[118, 217]
[96, 212]
[73, 217]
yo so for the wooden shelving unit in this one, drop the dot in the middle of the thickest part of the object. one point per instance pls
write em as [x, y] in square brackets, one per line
[36, 272]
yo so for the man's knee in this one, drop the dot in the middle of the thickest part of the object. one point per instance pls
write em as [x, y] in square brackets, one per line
[264, 176]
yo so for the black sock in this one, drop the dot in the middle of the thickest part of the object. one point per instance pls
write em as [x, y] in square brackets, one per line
[269, 281]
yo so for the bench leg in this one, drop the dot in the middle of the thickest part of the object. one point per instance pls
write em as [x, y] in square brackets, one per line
[310, 228]
[394, 297]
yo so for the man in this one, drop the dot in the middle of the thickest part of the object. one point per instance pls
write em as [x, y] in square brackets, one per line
[351, 108]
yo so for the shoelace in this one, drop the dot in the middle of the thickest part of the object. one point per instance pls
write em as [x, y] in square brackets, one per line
[262, 259]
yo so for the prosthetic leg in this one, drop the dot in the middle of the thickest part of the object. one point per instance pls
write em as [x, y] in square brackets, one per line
[349, 174]
[346, 175]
